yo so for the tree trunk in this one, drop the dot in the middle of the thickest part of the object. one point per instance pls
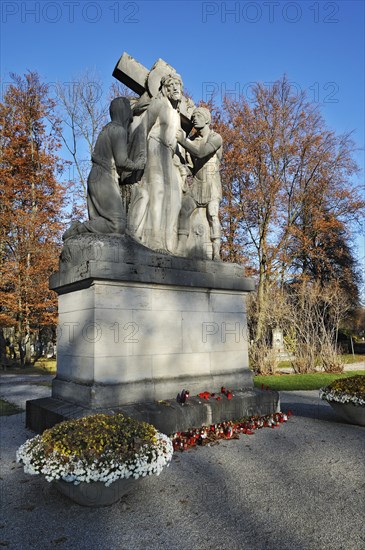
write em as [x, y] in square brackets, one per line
[21, 350]
[3, 358]
[27, 341]
[261, 304]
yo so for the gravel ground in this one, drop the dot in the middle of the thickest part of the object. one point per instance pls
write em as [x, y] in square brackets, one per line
[297, 487]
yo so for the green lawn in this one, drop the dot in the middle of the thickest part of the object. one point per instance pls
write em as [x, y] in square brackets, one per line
[6, 408]
[347, 359]
[46, 366]
[42, 366]
[290, 382]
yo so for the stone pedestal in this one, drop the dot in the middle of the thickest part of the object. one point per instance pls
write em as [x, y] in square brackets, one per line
[136, 326]
[125, 342]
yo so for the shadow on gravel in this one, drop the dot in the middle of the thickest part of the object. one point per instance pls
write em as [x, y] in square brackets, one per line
[308, 407]
[271, 491]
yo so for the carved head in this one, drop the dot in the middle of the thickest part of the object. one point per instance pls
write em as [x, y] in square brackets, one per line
[200, 117]
[171, 87]
[120, 110]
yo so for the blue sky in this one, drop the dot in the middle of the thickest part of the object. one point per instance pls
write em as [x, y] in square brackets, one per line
[224, 46]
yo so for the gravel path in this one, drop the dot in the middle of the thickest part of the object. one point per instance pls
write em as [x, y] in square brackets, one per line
[297, 487]
[18, 389]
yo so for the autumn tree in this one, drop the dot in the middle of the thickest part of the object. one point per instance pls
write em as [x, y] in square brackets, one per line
[315, 313]
[30, 209]
[321, 247]
[287, 186]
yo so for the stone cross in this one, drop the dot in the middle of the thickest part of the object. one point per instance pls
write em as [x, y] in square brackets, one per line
[139, 79]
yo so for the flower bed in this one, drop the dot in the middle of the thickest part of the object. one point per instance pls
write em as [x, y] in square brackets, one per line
[100, 447]
[226, 430]
[345, 390]
[347, 397]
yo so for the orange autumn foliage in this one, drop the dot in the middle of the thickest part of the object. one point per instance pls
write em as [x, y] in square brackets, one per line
[289, 202]
[32, 201]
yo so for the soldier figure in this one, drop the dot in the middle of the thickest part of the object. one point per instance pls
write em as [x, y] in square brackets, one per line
[205, 150]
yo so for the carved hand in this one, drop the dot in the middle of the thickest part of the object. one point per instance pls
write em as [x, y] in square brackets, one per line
[180, 136]
[140, 161]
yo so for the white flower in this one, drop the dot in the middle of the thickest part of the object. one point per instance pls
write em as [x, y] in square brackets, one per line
[340, 397]
[104, 469]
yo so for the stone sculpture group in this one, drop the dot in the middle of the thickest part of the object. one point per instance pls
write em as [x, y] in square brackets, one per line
[172, 174]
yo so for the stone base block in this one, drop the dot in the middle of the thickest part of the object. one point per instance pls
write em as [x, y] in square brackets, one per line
[167, 416]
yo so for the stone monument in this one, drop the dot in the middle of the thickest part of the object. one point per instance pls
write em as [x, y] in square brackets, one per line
[146, 307]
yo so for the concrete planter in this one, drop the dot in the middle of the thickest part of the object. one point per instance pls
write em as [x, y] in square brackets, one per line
[354, 414]
[95, 494]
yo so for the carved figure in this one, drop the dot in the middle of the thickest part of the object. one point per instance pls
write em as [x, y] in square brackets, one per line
[156, 199]
[109, 160]
[205, 191]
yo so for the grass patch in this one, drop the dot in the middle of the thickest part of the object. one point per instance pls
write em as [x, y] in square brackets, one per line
[46, 366]
[291, 382]
[6, 408]
[42, 366]
[347, 359]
